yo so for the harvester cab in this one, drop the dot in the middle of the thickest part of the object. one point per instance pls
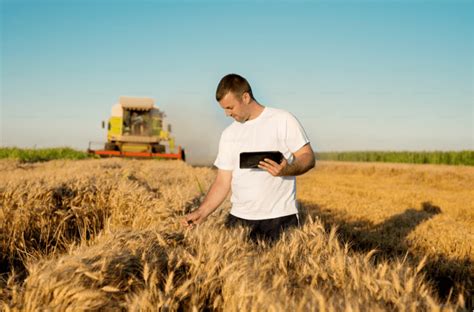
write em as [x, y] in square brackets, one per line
[137, 128]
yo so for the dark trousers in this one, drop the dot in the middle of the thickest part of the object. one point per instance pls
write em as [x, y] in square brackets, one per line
[267, 229]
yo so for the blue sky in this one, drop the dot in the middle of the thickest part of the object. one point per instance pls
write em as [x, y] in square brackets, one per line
[359, 75]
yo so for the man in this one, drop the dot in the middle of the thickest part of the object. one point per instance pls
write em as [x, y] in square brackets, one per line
[263, 199]
[137, 124]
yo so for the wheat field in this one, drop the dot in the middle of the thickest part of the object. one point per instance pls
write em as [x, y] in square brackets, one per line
[401, 210]
[104, 234]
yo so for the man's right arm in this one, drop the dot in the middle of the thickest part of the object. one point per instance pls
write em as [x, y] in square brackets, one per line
[214, 198]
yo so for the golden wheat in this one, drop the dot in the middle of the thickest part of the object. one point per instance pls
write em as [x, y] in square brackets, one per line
[105, 235]
[422, 210]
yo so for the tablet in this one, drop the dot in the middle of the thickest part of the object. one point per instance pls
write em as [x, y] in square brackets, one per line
[249, 160]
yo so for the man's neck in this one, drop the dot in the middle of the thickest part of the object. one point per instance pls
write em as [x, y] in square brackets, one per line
[255, 109]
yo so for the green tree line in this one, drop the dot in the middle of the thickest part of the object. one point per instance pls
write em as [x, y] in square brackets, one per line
[41, 154]
[434, 157]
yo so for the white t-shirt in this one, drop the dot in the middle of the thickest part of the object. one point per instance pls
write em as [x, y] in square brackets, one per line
[256, 194]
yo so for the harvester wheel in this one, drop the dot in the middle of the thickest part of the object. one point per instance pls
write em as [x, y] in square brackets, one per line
[111, 146]
[158, 149]
[183, 155]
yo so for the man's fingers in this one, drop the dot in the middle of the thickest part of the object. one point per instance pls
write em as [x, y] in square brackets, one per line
[272, 167]
[271, 162]
[194, 218]
[187, 221]
[184, 222]
[265, 165]
[269, 169]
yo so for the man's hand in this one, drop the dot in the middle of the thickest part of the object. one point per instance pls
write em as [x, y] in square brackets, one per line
[193, 218]
[216, 195]
[303, 161]
[274, 168]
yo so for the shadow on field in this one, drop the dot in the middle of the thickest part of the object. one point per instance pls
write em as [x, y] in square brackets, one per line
[50, 228]
[449, 277]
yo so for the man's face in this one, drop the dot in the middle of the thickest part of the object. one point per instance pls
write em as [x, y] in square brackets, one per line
[236, 106]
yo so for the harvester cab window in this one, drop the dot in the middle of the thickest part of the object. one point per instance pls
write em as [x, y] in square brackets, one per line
[138, 122]
[126, 122]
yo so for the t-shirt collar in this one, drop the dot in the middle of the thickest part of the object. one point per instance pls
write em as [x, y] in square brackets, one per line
[249, 122]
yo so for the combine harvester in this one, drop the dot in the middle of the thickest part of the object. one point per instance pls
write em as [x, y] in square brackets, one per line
[137, 129]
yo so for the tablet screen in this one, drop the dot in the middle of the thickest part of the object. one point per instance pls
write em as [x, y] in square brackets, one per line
[250, 160]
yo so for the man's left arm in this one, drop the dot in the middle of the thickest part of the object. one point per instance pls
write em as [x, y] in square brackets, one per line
[302, 162]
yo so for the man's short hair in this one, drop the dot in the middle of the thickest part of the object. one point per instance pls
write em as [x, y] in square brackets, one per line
[234, 83]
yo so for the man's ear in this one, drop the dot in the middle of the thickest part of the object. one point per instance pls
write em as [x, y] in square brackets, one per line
[246, 97]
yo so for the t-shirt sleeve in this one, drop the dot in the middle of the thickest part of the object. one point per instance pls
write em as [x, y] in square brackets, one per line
[295, 136]
[224, 158]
